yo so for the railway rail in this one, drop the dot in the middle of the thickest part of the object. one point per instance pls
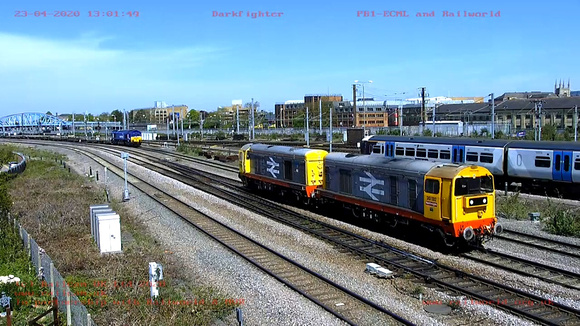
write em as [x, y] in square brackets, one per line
[341, 302]
[521, 303]
[538, 309]
[525, 267]
[559, 247]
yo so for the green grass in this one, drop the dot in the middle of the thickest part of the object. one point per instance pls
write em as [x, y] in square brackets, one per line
[14, 261]
[52, 204]
[556, 218]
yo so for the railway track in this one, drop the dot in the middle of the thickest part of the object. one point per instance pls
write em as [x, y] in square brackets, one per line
[537, 309]
[559, 247]
[521, 303]
[341, 302]
[525, 267]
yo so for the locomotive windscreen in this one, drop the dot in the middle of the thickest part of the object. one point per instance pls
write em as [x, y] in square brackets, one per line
[473, 186]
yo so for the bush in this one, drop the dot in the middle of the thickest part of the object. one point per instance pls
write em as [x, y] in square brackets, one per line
[563, 222]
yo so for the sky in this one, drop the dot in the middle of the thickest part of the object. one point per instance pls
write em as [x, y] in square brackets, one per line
[187, 52]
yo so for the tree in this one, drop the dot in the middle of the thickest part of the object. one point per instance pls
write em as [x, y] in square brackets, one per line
[549, 132]
[141, 115]
[105, 116]
[212, 121]
[193, 117]
[48, 113]
[118, 114]
[299, 120]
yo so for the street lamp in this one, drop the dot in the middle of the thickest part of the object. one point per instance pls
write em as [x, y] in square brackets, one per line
[364, 100]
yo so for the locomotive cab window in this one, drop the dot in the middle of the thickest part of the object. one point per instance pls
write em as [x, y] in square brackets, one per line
[473, 186]
[432, 186]
[542, 161]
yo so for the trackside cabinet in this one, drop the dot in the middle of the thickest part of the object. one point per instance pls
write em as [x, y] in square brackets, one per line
[109, 233]
[105, 228]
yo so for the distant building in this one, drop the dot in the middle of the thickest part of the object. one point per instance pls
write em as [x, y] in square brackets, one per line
[286, 113]
[159, 114]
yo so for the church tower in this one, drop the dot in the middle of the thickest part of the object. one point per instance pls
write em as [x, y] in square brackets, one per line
[560, 90]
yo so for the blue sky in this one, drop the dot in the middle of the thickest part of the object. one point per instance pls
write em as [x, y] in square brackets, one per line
[177, 52]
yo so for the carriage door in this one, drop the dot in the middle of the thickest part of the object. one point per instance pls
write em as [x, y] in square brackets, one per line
[562, 167]
[458, 154]
[432, 196]
[390, 149]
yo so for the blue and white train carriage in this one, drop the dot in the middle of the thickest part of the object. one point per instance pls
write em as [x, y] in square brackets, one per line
[551, 164]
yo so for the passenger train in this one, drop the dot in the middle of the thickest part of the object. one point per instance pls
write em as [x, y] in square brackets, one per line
[127, 138]
[548, 164]
[456, 202]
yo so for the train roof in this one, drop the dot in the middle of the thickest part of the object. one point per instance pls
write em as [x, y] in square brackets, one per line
[557, 145]
[375, 161]
[126, 131]
[441, 140]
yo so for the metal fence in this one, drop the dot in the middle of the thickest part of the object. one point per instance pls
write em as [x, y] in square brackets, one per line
[17, 168]
[68, 303]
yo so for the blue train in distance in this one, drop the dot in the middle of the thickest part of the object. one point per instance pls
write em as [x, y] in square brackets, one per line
[127, 137]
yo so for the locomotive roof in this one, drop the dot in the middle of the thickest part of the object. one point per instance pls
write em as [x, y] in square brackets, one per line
[435, 169]
[284, 150]
[400, 164]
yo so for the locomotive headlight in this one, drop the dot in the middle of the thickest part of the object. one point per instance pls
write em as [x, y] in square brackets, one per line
[485, 200]
[471, 202]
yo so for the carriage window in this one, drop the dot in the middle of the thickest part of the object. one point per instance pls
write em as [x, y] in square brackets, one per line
[542, 161]
[577, 164]
[378, 149]
[486, 158]
[400, 151]
[432, 186]
[412, 193]
[557, 162]
[288, 170]
[409, 151]
[471, 157]
[394, 192]
[433, 153]
[345, 181]
[445, 155]
[421, 152]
